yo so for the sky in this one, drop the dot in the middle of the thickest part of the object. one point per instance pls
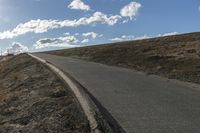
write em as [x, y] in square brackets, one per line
[40, 25]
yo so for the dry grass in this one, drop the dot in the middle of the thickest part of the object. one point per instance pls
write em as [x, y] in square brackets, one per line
[175, 57]
[33, 99]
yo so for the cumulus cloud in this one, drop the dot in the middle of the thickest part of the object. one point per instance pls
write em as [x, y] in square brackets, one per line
[16, 48]
[130, 10]
[78, 5]
[66, 34]
[41, 26]
[67, 41]
[85, 41]
[90, 34]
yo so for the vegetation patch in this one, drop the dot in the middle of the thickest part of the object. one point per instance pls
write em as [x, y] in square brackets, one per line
[33, 99]
[176, 57]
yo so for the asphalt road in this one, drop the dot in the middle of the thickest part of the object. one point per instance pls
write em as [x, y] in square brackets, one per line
[139, 103]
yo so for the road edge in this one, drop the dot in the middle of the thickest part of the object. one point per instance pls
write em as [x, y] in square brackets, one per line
[96, 121]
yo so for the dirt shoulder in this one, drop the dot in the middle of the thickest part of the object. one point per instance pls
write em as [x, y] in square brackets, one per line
[176, 57]
[33, 99]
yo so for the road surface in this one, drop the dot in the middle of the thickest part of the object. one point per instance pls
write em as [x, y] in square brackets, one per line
[139, 103]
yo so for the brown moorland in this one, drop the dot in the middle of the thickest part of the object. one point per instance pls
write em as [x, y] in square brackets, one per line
[33, 99]
[176, 57]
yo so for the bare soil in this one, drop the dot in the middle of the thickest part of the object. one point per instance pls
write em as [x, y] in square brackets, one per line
[176, 57]
[34, 100]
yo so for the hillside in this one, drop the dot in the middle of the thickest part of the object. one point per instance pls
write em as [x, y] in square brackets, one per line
[34, 100]
[176, 57]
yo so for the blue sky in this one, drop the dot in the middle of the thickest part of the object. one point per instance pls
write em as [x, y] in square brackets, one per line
[36, 25]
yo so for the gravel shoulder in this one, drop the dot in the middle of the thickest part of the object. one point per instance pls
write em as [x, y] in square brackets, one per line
[33, 99]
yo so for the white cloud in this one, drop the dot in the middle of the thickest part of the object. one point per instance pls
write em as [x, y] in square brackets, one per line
[101, 35]
[130, 10]
[16, 48]
[67, 41]
[76, 34]
[78, 5]
[85, 41]
[66, 34]
[142, 37]
[131, 37]
[125, 21]
[116, 39]
[128, 37]
[41, 26]
[169, 34]
[99, 17]
[90, 34]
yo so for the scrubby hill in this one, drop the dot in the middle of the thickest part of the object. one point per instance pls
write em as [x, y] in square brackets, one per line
[34, 100]
[175, 57]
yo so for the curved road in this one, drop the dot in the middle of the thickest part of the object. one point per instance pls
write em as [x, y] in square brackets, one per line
[139, 103]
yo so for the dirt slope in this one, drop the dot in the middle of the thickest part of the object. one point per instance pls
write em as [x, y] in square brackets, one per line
[33, 100]
[175, 57]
